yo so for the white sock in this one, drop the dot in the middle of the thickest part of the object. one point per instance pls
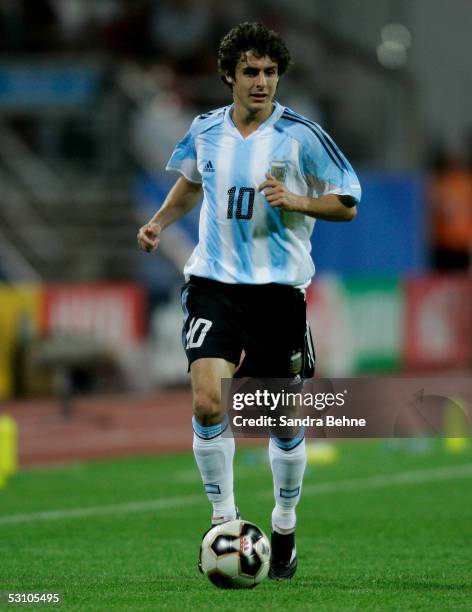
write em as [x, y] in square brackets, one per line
[288, 467]
[214, 456]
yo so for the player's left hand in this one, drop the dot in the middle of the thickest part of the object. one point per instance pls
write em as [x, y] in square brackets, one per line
[277, 194]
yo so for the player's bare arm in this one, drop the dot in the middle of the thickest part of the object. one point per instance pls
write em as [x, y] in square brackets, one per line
[180, 200]
[327, 207]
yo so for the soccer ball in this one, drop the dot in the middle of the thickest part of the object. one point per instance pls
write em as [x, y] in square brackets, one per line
[235, 555]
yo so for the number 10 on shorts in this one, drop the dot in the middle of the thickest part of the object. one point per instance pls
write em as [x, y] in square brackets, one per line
[197, 331]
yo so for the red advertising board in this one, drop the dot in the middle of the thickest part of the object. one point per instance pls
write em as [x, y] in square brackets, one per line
[438, 322]
[113, 313]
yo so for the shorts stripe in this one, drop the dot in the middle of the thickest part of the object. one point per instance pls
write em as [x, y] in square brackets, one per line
[309, 345]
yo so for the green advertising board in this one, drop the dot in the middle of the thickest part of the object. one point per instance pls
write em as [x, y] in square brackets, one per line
[375, 313]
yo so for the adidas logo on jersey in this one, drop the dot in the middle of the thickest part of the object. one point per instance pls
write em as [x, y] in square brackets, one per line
[208, 167]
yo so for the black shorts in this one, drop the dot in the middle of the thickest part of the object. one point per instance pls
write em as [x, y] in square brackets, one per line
[265, 323]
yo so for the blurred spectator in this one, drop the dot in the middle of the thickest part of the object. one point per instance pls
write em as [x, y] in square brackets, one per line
[155, 127]
[118, 26]
[127, 33]
[180, 29]
[450, 196]
[28, 26]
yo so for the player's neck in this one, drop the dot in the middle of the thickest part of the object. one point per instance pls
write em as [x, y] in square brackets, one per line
[247, 122]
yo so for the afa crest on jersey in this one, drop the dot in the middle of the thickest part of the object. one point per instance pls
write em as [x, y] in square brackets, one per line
[278, 169]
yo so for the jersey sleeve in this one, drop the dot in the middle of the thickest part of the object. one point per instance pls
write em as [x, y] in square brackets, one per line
[325, 168]
[184, 158]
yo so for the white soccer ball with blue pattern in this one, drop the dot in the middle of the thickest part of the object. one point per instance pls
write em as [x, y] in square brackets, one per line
[235, 555]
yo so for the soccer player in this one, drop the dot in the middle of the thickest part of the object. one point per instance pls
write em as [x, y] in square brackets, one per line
[267, 173]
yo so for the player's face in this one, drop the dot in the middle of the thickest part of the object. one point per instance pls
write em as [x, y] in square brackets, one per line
[255, 83]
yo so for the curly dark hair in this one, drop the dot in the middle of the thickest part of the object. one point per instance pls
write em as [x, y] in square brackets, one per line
[251, 37]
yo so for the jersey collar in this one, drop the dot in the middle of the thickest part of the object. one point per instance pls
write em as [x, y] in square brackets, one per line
[275, 116]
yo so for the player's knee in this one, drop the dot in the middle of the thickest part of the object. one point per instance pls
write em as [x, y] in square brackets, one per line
[207, 408]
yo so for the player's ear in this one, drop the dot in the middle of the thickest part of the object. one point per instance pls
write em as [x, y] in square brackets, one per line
[227, 80]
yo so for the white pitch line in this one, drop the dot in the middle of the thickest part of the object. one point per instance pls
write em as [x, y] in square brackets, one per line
[143, 506]
[404, 478]
[371, 482]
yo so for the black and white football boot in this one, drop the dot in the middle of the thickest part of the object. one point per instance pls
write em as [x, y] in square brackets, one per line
[283, 560]
[199, 562]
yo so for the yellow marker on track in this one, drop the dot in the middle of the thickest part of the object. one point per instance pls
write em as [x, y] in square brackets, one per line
[319, 453]
[456, 426]
[8, 448]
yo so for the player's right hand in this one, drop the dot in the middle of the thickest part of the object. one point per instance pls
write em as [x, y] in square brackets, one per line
[148, 237]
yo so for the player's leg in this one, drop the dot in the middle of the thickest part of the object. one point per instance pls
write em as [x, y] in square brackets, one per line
[281, 348]
[212, 345]
[213, 449]
[288, 455]
[288, 462]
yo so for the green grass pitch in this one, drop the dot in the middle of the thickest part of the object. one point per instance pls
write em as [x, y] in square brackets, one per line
[381, 529]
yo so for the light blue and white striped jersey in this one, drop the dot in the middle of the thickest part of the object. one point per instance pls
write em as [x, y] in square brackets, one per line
[242, 239]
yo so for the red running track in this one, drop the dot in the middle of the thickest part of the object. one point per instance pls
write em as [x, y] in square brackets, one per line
[106, 426]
